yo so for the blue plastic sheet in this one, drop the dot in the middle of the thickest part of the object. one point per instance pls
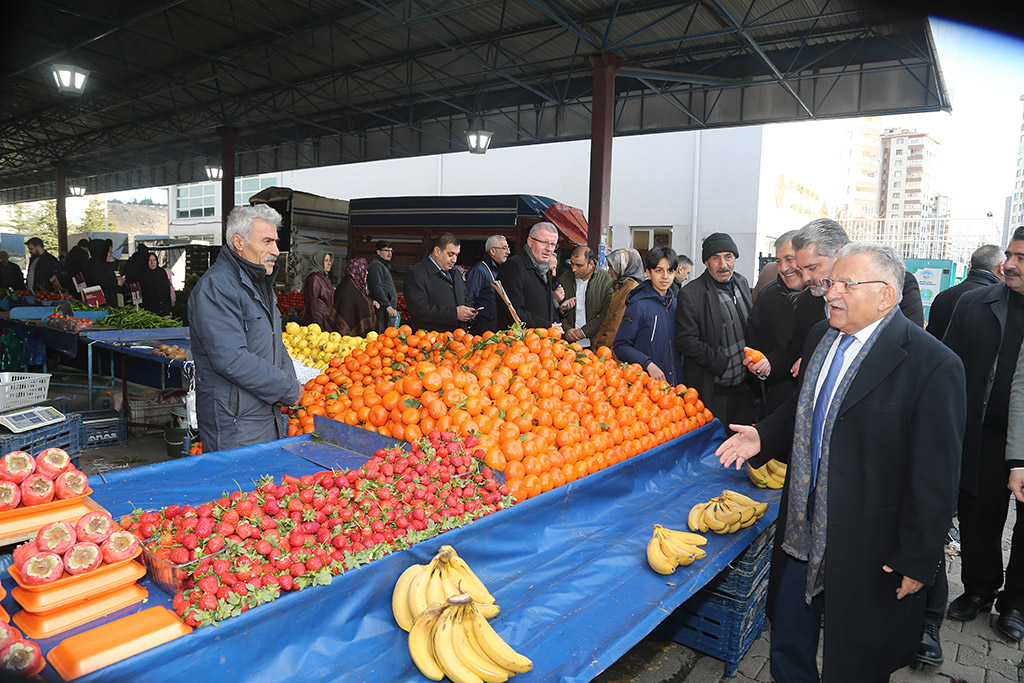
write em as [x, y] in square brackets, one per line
[122, 341]
[568, 569]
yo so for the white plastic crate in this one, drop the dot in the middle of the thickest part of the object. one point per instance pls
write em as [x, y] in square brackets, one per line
[19, 389]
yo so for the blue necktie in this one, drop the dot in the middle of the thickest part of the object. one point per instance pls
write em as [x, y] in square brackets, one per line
[823, 402]
[447, 275]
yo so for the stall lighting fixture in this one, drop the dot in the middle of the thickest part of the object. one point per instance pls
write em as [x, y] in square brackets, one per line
[77, 191]
[70, 79]
[214, 172]
[478, 140]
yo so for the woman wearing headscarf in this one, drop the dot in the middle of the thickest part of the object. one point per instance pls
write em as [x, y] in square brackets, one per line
[156, 288]
[318, 292]
[353, 313]
[627, 271]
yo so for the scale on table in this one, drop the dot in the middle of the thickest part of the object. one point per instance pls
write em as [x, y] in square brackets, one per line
[31, 418]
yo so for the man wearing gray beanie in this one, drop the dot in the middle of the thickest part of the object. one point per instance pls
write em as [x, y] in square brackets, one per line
[711, 334]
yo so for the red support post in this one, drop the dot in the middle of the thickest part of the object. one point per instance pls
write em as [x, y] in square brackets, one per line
[606, 65]
[227, 182]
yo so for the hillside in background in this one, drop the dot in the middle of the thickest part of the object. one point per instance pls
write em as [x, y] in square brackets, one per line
[137, 219]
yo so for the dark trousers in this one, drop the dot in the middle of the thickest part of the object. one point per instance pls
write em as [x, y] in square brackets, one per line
[733, 408]
[936, 596]
[982, 518]
[796, 626]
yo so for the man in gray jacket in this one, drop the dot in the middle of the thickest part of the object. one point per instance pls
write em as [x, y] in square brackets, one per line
[382, 286]
[243, 373]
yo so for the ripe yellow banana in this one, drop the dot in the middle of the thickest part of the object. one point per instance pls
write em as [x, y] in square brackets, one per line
[475, 661]
[496, 649]
[684, 536]
[445, 649]
[693, 520]
[739, 498]
[712, 520]
[777, 468]
[418, 591]
[488, 610]
[671, 546]
[725, 513]
[681, 556]
[435, 585]
[474, 644]
[400, 597]
[448, 584]
[467, 579]
[421, 637]
[758, 476]
[658, 559]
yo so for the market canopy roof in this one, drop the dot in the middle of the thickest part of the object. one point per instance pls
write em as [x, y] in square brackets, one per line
[322, 82]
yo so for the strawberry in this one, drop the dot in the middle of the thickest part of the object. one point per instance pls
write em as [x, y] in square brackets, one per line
[220, 566]
[230, 517]
[225, 529]
[263, 547]
[223, 592]
[245, 530]
[267, 523]
[207, 602]
[295, 505]
[215, 544]
[205, 510]
[285, 581]
[190, 541]
[297, 569]
[245, 508]
[179, 555]
[208, 584]
[205, 527]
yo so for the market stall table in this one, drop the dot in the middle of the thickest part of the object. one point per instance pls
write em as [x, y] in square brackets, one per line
[138, 344]
[568, 569]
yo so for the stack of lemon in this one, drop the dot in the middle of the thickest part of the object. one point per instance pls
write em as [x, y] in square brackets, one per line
[315, 348]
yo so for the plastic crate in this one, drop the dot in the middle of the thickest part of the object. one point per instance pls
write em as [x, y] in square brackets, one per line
[66, 435]
[719, 626]
[20, 389]
[148, 417]
[103, 428]
[743, 574]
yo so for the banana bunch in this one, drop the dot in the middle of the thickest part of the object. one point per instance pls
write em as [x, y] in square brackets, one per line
[453, 639]
[771, 475]
[726, 514]
[445, 575]
[669, 549]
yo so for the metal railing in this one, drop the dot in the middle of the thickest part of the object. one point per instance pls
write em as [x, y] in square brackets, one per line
[934, 238]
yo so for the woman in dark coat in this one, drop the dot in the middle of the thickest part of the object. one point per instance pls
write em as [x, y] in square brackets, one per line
[97, 272]
[318, 292]
[353, 313]
[156, 288]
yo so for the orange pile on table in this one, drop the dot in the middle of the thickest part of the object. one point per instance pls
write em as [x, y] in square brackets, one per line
[546, 412]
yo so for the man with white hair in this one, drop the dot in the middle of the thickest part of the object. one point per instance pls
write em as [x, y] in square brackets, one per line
[873, 443]
[480, 293]
[243, 373]
[527, 280]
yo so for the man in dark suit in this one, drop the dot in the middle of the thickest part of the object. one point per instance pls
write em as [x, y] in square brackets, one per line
[773, 319]
[874, 441]
[986, 269]
[528, 282]
[435, 293]
[711, 333]
[986, 331]
[479, 280]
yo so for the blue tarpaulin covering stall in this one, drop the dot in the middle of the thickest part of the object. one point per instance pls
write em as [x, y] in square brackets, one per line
[568, 569]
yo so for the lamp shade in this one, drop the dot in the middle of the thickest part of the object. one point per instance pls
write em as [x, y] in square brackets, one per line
[77, 191]
[70, 79]
[478, 140]
[214, 172]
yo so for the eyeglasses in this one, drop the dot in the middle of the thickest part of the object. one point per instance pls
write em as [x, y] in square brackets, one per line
[550, 244]
[844, 286]
[505, 248]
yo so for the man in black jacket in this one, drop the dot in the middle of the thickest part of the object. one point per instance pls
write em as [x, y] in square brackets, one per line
[711, 333]
[382, 285]
[435, 293]
[986, 269]
[527, 280]
[986, 331]
[41, 267]
[773, 319]
[10, 273]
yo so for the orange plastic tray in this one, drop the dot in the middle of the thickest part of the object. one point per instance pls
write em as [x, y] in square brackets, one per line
[105, 645]
[69, 579]
[97, 583]
[4, 616]
[46, 625]
[14, 524]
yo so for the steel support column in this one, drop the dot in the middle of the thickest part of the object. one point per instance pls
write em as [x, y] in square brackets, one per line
[61, 190]
[606, 66]
[227, 182]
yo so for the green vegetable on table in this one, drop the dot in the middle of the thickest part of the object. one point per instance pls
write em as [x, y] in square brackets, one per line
[129, 318]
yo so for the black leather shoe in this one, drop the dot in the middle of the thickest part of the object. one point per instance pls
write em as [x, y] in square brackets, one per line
[968, 606]
[930, 650]
[1011, 623]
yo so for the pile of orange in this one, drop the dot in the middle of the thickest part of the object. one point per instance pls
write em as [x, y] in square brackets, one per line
[546, 412]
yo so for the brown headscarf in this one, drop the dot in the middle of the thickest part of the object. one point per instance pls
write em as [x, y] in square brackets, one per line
[356, 271]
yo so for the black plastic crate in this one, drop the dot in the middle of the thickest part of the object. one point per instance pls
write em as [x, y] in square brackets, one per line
[717, 625]
[103, 428]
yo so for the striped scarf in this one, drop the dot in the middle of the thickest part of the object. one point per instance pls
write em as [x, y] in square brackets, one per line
[805, 538]
[734, 315]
